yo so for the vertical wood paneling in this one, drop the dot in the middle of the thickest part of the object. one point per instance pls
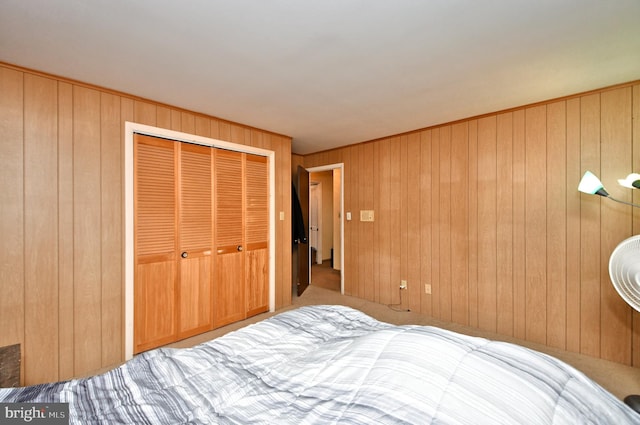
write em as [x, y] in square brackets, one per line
[176, 120]
[361, 248]
[347, 193]
[536, 224]
[127, 112]
[425, 220]
[505, 238]
[353, 189]
[145, 112]
[65, 230]
[111, 228]
[395, 205]
[556, 225]
[247, 137]
[256, 139]
[573, 225]
[414, 231]
[383, 221]
[202, 126]
[236, 134]
[487, 267]
[519, 216]
[187, 123]
[444, 285]
[224, 131]
[215, 129]
[283, 233]
[61, 151]
[459, 224]
[504, 223]
[12, 212]
[403, 212]
[359, 245]
[473, 222]
[366, 242]
[435, 222]
[87, 230]
[163, 117]
[590, 229]
[81, 267]
[378, 235]
[40, 228]
[358, 177]
[617, 221]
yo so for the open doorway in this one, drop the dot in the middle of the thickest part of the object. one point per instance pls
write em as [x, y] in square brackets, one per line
[326, 227]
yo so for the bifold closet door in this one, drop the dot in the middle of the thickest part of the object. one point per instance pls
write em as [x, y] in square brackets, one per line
[201, 239]
[173, 241]
[229, 285]
[257, 234]
[155, 222]
[195, 239]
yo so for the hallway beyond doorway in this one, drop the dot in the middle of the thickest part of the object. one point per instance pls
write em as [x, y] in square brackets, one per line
[324, 276]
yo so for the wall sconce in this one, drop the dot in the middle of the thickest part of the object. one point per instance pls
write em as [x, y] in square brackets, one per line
[592, 185]
[632, 181]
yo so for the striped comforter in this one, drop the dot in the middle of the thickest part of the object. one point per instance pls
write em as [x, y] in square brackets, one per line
[334, 364]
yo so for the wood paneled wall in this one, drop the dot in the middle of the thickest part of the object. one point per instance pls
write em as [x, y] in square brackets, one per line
[61, 216]
[487, 212]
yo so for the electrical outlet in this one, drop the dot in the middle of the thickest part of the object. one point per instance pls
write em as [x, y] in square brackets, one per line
[427, 288]
[403, 284]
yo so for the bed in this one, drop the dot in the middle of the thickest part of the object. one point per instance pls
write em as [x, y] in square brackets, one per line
[334, 364]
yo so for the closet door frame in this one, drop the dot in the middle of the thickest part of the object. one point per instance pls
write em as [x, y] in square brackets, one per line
[130, 129]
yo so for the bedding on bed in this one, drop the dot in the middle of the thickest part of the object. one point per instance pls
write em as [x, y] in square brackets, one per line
[334, 364]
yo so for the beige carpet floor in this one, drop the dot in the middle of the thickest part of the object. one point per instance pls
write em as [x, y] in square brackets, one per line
[324, 276]
[619, 379]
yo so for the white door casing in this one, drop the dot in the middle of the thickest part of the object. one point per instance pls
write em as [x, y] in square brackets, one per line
[315, 219]
[329, 167]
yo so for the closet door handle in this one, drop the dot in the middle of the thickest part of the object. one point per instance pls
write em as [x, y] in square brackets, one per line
[184, 254]
[239, 248]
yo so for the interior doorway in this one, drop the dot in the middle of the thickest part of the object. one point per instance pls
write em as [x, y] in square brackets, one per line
[326, 255]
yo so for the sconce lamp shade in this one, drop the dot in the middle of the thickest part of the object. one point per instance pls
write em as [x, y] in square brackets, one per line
[632, 181]
[591, 185]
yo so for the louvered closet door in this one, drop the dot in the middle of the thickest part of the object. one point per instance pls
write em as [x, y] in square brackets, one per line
[257, 234]
[155, 287]
[195, 239]
[229, 292]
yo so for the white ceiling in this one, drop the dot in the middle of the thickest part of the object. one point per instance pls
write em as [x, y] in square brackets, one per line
[330, 72]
